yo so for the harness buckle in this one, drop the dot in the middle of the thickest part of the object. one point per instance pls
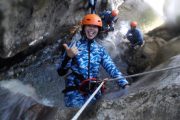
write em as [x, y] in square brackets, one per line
[89, 85]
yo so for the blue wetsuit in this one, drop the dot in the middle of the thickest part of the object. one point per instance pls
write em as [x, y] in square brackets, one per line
[86, 64]
[108, 20]
[92, 5]
[135, 37]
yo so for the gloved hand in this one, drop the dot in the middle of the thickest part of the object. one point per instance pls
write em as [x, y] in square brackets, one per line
[125, 90]
[126, 86]
[71, 52]
[56, 66]
[111, 29]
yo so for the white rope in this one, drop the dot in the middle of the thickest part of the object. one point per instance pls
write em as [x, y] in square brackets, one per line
[87, 102]
[144, 73]
[135, 75]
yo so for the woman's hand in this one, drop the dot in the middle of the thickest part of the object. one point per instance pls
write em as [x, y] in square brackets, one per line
[126, 87]
[71, 52]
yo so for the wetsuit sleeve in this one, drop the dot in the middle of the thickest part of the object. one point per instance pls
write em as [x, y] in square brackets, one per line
[101, 15]
[110, 67]
[111, 26]
[139, 37]
[111, 23]
[65, 63]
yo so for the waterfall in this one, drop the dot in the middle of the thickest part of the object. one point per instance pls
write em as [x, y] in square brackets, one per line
[19, 101]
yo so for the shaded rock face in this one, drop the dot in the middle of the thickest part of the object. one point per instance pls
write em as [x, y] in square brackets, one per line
[34, 20]
[1, 32]
[168, 50]
[165, 32]
[26, 21]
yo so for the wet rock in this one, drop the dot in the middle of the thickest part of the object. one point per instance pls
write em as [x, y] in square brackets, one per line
[32, 20]
[168, 50]
[20, 103]
[165, 32]
[149, 104]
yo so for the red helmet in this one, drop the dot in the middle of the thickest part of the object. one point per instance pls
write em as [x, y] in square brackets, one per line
[133, 24]
[92, 19]
[115, 13]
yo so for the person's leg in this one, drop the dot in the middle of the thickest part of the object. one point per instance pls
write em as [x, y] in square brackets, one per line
[104, 4]
[83, 4]
[105, 27]
[95, 98]
[94, 6]
[93, 11]
[74, 99]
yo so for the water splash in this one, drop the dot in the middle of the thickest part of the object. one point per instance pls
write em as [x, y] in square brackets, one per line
[157, 5]
[15, 86]
[113, 41]
[167, 11]
[18, 100]
[116, 3]
[124, 27]
[172, 13]
[47, 102]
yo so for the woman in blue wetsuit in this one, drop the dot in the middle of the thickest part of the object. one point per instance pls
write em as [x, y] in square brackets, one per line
[84, 58]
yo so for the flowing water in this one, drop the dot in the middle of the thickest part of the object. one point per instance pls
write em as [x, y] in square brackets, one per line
[16, 99]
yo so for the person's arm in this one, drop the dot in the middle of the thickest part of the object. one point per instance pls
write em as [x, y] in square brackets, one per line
[101, 14]
[110, 67]
[64, 65]
[115, 20]
[111, 27]
[129, 35]
[111, 24]
[66, 59]
[139, 37]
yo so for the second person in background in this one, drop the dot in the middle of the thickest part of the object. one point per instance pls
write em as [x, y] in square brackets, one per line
[134, 35]
[108, 19]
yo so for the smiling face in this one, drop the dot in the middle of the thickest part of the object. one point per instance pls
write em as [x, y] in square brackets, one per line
[91, 31]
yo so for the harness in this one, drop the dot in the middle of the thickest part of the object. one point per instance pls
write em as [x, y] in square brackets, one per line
[86, 86]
